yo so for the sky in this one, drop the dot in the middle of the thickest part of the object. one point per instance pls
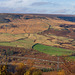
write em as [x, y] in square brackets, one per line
[38, 6]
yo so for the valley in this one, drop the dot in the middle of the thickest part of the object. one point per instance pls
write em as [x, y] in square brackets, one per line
[38, 39]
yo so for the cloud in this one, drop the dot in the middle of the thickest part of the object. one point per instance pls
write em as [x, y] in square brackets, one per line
[4, 0]
[39, 11]
[43, 3]
[19, 1]
[13, 10]
[16, 3]
[37, 6]
[6, 10]
[62, 11]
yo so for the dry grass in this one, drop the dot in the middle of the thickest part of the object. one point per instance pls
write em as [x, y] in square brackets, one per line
[22, 40]
[34, 26]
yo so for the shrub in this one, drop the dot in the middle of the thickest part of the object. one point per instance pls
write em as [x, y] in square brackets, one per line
[37, 72]
[3, 70]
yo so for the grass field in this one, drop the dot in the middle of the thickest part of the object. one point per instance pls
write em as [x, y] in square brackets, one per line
[71, 58]
[26, 43]
[28, 40]
[52, 50]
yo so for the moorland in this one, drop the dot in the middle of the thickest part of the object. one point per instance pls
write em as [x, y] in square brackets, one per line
[43, 39]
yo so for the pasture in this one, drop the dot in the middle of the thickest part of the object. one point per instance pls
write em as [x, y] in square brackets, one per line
[52, 50]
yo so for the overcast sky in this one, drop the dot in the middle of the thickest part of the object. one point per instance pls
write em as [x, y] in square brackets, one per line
[38, 6]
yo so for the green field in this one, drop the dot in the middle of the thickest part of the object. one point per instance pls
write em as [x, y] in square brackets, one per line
[16, 40]
[26, 43]
[52, 50]
[71, 58]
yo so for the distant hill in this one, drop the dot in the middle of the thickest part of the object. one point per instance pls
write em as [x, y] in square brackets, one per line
[30, 23]
[53, 30]
[63, 17]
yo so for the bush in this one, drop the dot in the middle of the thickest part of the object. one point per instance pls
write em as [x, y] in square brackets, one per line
[47, 70]
[37, 72]
[3, 70]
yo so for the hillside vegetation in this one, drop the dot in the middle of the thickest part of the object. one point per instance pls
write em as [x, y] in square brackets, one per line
[25, 30]
[52, 50]
[44, 41]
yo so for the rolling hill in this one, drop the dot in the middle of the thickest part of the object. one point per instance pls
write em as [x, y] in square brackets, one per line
[25, 30]
[44, 40]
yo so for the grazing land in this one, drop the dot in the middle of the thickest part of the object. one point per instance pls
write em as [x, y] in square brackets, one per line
[50, 29]
[52, 50]
[44, 41]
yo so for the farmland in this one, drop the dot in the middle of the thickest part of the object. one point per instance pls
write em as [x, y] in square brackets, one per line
[42, 39]
[28, 40]
[52, 50]
[22, 27]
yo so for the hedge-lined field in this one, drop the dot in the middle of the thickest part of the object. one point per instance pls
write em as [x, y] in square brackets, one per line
[52, 50]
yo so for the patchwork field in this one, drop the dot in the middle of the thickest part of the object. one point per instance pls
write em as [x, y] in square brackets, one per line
[27, 40]
[52, 50]
[71, 58]
[44, 41]
[26, 30]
